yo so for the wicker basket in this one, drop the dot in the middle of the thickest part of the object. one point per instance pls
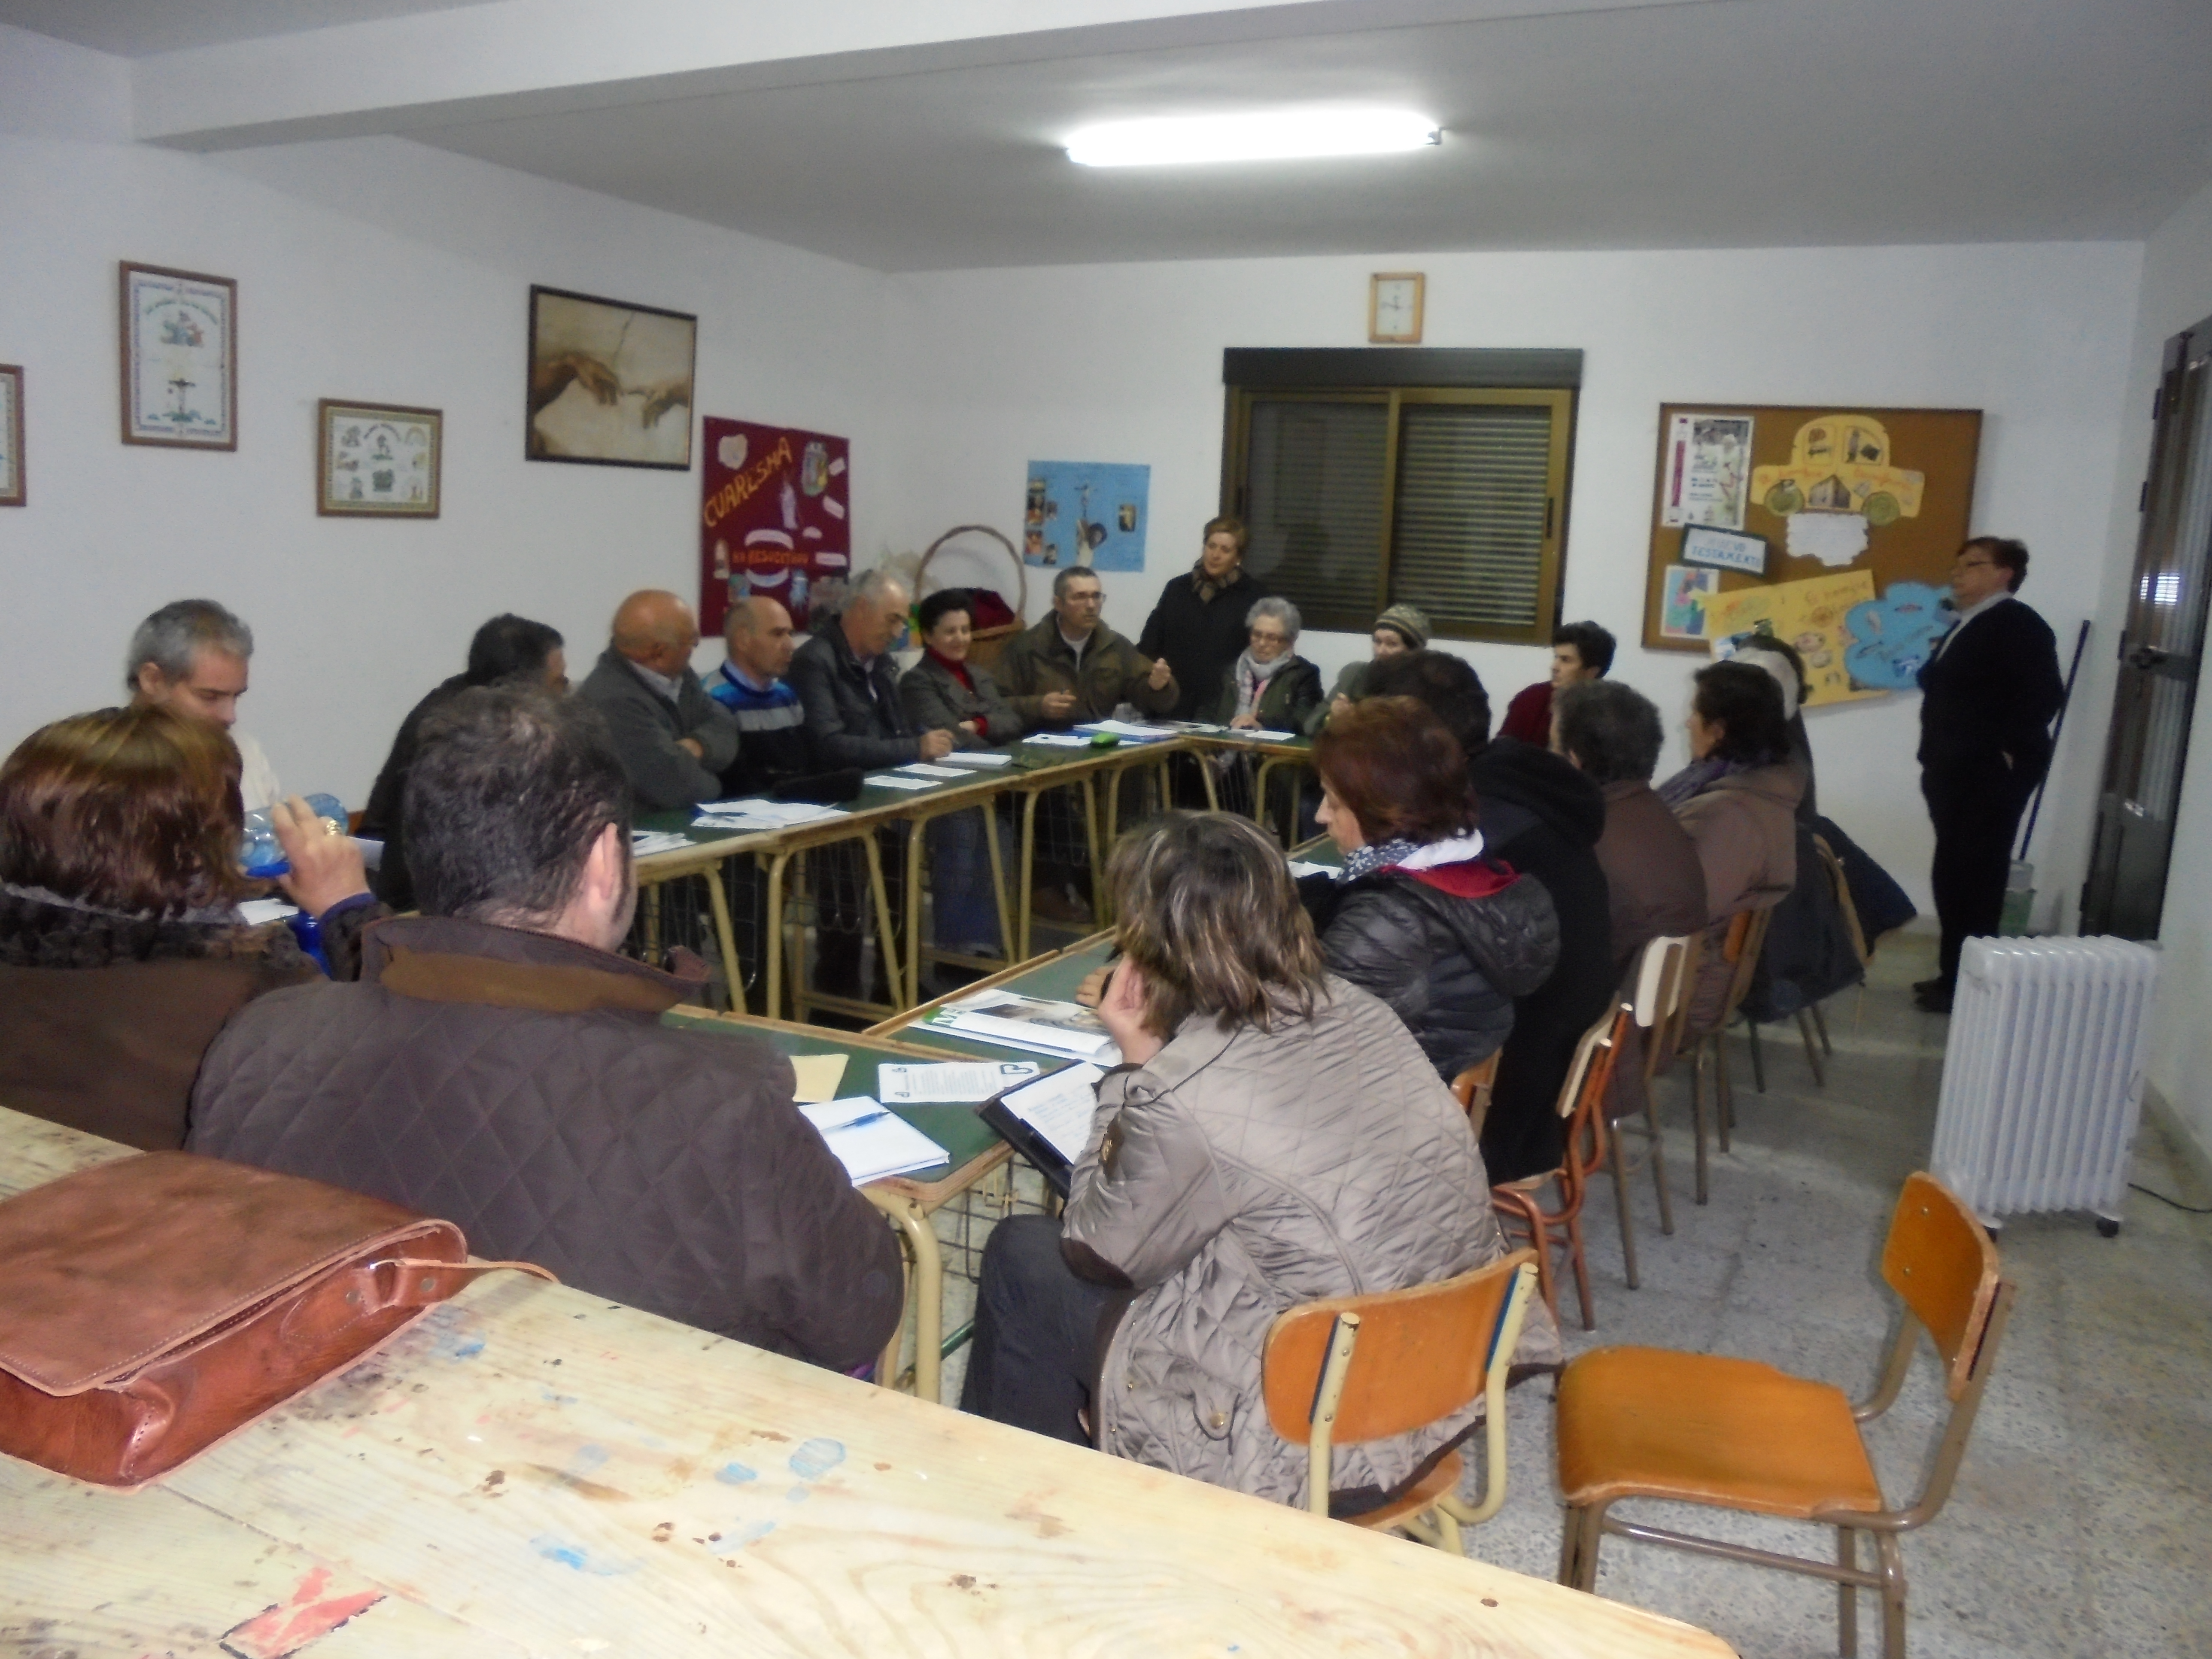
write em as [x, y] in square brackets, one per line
[988, 642]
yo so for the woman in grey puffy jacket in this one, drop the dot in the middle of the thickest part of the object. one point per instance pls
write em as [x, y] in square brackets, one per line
[1418, 916]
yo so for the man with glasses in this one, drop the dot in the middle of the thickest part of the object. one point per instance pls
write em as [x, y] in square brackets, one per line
[1988, 698]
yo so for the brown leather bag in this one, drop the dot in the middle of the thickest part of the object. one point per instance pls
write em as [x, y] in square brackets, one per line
[150, 1306]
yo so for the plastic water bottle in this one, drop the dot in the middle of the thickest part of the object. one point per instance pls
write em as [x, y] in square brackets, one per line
[263, 858]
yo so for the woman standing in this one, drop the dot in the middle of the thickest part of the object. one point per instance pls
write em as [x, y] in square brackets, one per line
[1198, 625]
[1272, 1137]
[1738, 799]
[945, 692]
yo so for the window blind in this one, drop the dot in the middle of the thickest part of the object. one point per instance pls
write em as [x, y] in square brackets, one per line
[1472, 494]
[1314, 507]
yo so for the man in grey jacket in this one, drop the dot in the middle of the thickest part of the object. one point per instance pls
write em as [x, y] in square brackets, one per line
[673, 739]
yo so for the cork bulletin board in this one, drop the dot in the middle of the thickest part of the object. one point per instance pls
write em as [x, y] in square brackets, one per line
[1751, 495]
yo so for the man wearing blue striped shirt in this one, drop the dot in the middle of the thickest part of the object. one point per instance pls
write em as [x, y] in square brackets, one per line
[771, 729]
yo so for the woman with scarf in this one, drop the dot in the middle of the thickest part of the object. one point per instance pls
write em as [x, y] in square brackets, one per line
[1268, 688]
[1197, 626]
[945, 692]
[1738, 799]
[1419, 916]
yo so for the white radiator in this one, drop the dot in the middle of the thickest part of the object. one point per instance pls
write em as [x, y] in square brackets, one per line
[2043, 1078]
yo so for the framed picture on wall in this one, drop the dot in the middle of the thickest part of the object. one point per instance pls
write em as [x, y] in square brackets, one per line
[610, 383]
[180, 358]
[377, 461]
[11, 435]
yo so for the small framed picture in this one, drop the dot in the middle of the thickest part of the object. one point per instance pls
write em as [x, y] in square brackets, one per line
[377, 461]
[610, 383]
[180, 358]
[11, 435]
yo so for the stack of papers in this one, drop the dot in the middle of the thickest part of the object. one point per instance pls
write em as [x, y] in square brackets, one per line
[1266, 736]
[1061, 1108]
[260, 913]
[977, 758]
[1205, 727]
[899, 780]
[870, 1142]
[758, 814]
[1129, 731]
[1007, 1020]
[924, 770]
[1059, 739]
[954, 1081]
[644, 843]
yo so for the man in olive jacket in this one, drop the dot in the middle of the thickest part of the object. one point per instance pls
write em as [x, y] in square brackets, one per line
[1072, 668]
[498, 1065]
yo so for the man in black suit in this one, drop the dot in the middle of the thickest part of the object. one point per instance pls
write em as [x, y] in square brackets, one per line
[1988, 697]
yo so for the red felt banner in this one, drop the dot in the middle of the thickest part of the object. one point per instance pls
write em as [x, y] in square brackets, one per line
[776, 520]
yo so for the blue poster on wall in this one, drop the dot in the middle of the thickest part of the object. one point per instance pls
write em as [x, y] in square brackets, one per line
[1086, 513]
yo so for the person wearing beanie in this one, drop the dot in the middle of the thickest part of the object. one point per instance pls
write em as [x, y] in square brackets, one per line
[1400, 629]
[1580, 651]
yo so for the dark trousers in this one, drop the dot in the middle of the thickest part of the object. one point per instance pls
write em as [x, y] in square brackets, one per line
[1036, 1332]
[1975, 811]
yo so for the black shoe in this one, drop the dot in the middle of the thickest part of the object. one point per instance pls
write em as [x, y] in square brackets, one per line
[1929, 988]
[1933, 1000]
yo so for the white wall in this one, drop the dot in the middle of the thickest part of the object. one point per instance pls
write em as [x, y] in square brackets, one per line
[2177, 292]
[373, 269]
[1123, 363]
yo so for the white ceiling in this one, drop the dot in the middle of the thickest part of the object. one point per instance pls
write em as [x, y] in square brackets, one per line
[1729, 123]
[139, 28]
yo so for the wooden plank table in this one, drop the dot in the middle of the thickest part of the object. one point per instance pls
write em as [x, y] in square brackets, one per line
[530, 1470]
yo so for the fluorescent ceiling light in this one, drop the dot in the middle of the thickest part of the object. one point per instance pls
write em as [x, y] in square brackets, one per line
[1270, 135]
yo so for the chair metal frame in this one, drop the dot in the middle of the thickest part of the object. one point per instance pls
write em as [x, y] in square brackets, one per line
[1472, 1087]
[1969, 1356]
[1582, 1102]
[1812, 1022]
[1430, 1511]
[1664, 971]
[1746, 939]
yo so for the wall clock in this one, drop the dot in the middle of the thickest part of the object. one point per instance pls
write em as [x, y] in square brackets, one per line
[1393, 308]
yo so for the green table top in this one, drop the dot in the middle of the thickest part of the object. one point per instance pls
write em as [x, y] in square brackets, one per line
[1055, 980]
[964, 1135]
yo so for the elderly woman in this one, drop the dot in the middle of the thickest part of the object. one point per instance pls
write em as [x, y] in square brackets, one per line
[1198, 628]
[945, 692]
[1273, 1136]
[1400, 629]
[1738, 799]
[122, 951]
[1418, 915]
[1269, 686]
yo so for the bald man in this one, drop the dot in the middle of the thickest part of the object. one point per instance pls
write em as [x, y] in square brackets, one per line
[751, 684]
[674, 739]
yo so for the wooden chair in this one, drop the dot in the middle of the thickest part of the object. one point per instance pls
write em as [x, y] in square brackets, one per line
[1746, 939]
[1582, 1102]
[1734, 1434]
[1661, 1003]
[1472, 1087]
[1423, 1354]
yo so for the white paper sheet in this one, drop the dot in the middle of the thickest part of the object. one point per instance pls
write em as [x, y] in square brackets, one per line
[1300, 870]
[1061, 1108]
[1130, 729]
[1264, 736]
[952, 1081]
[1059, 739]
[756, 815]
[644, 843]
[871, 1142]
[977, 758]
[894, 781]
[923, 770]
[259, 912]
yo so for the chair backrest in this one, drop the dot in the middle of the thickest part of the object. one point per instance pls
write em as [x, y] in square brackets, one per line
[1472, 1087]
[1747, 938]
[1841, 885]
[1941, 1263]
[1659, 979]
[1422, 1354]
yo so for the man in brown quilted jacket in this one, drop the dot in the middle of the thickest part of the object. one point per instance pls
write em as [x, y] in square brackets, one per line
[499, 1066]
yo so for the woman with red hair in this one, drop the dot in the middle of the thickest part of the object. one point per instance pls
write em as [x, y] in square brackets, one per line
[1418, 916]
[122, 950]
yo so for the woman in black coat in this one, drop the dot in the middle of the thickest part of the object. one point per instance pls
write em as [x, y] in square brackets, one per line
[1418, 916]
[1198, 623]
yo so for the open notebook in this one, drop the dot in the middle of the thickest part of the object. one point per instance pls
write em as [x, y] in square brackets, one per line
[1049, 1122]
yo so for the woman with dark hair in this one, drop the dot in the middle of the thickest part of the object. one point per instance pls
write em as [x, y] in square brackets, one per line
[945, 692]
[1419, 916]
[507, 650]
[122, 950]
[1271, 1136]
[1787, 664]
[1738, 799]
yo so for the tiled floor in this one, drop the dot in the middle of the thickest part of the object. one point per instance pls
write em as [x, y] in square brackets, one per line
[2082, 1520]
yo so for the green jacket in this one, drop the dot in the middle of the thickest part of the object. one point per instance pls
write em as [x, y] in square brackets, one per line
[1289, 697]
[1112, 672]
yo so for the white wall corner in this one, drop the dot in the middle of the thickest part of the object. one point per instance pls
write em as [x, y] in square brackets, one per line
[52, 89]
[2191, 1141]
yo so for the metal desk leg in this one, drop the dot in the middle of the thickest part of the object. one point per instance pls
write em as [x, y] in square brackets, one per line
[653, 924]
[913, 984]
[732, 969]
[1090, 845]
[928, 1288]
[772, 943]
[998, 878]
[1025, 900]
[1205, 759]
[886, 929]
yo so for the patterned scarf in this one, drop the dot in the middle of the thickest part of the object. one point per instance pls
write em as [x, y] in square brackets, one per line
[1252, 679]
[1205, 586]
[1377, 855]
[1697, 777]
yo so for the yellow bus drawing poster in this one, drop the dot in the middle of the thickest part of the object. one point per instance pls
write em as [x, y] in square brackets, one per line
[1808, 614]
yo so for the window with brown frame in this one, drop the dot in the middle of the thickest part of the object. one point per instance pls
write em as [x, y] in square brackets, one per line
[1372, 478]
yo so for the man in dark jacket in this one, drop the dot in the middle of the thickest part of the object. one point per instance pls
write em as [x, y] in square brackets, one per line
[1988, 696]
[1198, 627]
[1542, 818]
[751, 684]
[508, 647]
[673, 739]
[499, 1066]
